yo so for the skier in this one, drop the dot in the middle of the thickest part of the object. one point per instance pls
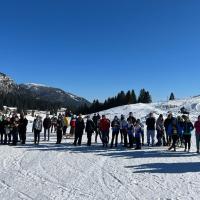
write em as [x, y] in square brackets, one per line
[187, 132]
[47, 126]
[23, 122]
[115, 131]
[138, 134]
[160, 131]
[197, 132]
[59, 130]
[123, 128]
[90, 128]
[104, 126]
[37, 128]
[150, 122]
[80, 126]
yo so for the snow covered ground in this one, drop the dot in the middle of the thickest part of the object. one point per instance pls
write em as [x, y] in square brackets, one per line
[50, 171]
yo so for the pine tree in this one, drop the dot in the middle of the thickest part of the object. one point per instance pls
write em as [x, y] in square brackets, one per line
[144, 97]
[172, 97]
[148, 98]
[121, 98]
[134, 97]
[129, 98]
[141, 98]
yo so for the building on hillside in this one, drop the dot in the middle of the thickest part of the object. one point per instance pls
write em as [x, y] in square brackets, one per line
[9, 109]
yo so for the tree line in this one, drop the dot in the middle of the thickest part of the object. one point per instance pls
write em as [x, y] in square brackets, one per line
[26, 102]
[120, 99]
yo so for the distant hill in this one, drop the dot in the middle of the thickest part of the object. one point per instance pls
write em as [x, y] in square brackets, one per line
[34, 95]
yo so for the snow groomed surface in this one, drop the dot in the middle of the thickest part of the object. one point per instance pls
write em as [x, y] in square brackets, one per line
[56, 172]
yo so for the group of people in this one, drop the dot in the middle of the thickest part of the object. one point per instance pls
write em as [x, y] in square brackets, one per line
[171, 132]
[58, 124]
[13, 129]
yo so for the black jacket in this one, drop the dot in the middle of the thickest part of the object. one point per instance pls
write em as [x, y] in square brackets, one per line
[80, 125]
[60, 124]
[47, 123]
[90, 126]
[23, 122]
[150, 122]
[132, 120]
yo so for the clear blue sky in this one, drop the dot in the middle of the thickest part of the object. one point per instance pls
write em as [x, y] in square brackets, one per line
[96, 48]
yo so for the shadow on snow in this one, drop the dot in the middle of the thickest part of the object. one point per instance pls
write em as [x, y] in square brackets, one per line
[166, 167]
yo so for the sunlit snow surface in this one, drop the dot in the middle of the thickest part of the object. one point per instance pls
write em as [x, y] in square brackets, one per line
[50, 171]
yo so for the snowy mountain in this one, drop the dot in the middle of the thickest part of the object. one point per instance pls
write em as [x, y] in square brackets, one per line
[54, 95]
[39, 92]
[7, 84]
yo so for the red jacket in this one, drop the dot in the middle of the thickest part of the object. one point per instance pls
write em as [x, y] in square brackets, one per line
[197, 127]
[73, 123]
[104, 125]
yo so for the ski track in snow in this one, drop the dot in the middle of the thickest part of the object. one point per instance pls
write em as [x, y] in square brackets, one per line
[65, 172]
[50, 171]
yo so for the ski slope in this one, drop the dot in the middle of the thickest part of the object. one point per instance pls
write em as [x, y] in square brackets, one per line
[65, 172]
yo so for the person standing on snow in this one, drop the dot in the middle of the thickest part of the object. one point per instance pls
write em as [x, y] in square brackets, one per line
[121, 132]
[53, 123]
[173, 131]
[123, 128]
[138, 134]
[90, 128]
[2, 130]
[37, 128]
[104, 126]
[7, 129]
[130, 131]
[180, 127]
[65, 124]
[80, 126]
[131, 118]
[23, 122]
[197, 132]
[142, 129]
[115, 131]
[187, 132]
[73, 126]
[47, 126]
[160, 131]
[96, 119]
[59, 130]
[167, 124]
[14, 124]
[150, 122]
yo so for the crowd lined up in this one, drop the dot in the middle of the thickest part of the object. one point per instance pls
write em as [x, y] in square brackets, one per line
[172, 132]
